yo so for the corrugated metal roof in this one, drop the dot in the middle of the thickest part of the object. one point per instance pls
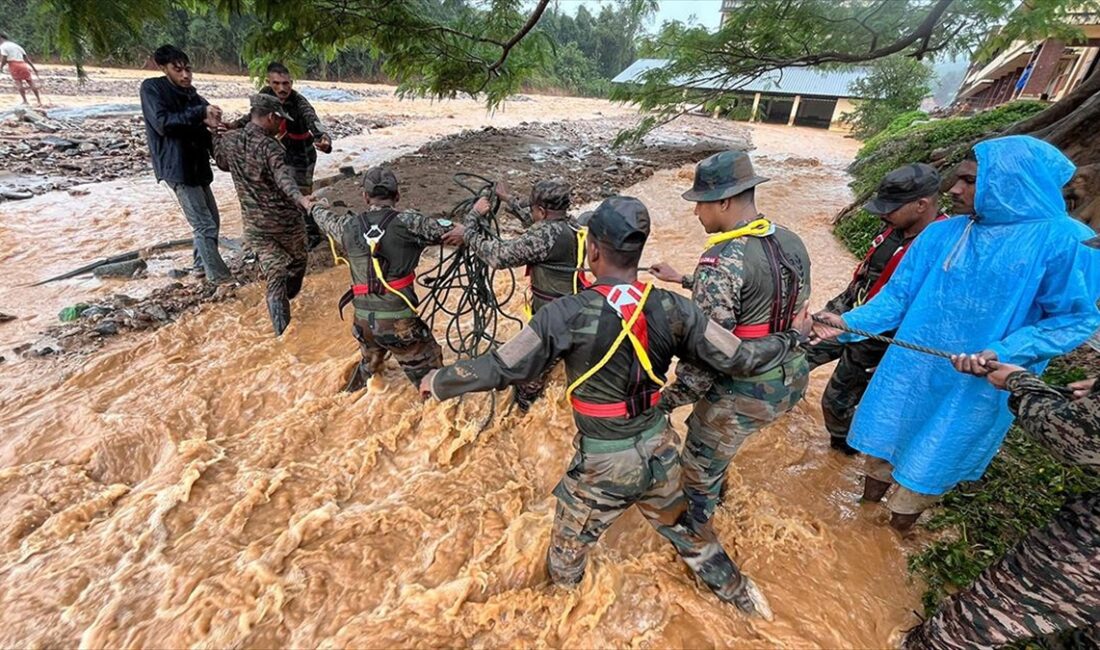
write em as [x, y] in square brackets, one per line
[787, 81]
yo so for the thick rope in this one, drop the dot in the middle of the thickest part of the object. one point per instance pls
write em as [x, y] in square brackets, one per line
[889, 341]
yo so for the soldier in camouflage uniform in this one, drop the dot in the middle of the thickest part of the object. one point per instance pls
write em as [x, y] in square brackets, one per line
[907, 200]
[386, 319]
[753, 279]
[271, 203]
[548, 249]
[626, 450]
[1050, 582]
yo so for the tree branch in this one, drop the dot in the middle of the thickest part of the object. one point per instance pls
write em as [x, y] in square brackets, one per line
[532, 20]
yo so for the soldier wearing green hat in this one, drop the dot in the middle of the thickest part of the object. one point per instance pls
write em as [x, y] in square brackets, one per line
[617, 339]
[753, 279]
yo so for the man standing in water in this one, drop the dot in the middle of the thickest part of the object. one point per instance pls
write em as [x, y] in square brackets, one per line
[617, 339]
[907, 201]
[302, 135]
[1011, 281]
[753, 279]
[177, 120]
[271, 204]
[20, 67]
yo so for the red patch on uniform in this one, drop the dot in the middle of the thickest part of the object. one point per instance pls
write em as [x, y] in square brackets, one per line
[708, 260]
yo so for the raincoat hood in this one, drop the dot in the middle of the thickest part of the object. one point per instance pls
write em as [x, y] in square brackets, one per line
[1020, 178]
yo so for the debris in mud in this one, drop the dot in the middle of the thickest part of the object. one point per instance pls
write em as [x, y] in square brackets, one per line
[65, 82]
[128, 269]
[4, 318]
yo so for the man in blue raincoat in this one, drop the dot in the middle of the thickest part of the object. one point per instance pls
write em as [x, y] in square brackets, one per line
[1012, 281]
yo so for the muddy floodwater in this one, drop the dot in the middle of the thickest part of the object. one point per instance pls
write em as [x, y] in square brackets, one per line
[207, 485]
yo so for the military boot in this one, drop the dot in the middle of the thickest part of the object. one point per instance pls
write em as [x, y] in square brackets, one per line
[279, 308]
[359, 377]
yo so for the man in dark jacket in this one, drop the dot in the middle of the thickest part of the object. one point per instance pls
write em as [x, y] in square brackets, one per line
[176, 121]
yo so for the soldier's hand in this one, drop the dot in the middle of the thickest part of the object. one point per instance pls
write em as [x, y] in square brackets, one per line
[324, 143]
[213, 113]
[1000, 372]
[503, 192]
[306, 203]
[482, 206]
[666, 273]
[802, 322]
[455, 236]
[974, 364]
[1082, 388]
[426, 384]
[827, 330]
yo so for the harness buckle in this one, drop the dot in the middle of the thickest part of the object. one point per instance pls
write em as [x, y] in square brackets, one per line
[373, 235]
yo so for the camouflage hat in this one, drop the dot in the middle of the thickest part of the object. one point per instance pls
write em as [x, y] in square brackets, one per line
[621, 222]
[904, 185]
[721, 176]
[380, 181]
[551, 194]
[270, 104]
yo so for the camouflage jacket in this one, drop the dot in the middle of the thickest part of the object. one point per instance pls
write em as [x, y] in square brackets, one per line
[548, 248]
[1069, 428]
[575, 328]
[733, 285]
[265, 186]
[399, 251]
[521, 210]
[297, 135]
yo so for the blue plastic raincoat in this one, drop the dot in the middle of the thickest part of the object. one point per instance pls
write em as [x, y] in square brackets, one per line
[1015, 279]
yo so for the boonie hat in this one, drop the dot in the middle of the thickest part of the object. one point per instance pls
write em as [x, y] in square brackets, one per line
[269, 103]
[621, 222]
[721, 176]
[380, 181]
[904, 185]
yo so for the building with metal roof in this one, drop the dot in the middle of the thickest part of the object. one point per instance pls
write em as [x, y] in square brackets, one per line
[794, 96]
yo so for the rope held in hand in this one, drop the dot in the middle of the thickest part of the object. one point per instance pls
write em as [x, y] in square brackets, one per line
[886, 339]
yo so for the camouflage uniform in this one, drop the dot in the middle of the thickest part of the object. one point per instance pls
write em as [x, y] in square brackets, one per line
[1050, 582]
[383, 321]
[620, 461]
[548, 248]
[273, 225]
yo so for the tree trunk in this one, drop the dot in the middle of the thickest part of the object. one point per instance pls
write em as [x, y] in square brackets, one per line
[1089, 87]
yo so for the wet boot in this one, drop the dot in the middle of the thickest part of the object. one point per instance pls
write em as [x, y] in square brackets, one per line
[902, 523]
[840, 443]
[294, 284]
[278, 307]
[358, 378]
[874, 489]
[748, 598]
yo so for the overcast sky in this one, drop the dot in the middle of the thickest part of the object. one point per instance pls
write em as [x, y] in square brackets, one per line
[705, 11]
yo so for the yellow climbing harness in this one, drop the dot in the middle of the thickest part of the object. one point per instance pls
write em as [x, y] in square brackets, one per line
[757, 228]
[627, 331]
[336, 259]
[582, 237]
[372, 242]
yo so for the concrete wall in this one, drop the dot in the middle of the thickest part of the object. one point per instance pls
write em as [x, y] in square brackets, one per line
[843, 106]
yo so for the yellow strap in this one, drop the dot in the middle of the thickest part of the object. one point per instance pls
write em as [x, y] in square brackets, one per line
[528, 313]
[382, 279]
[336, 259]
[582, 236]
[757, 228]
[643, 357]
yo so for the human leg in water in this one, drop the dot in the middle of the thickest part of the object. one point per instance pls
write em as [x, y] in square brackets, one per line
[373, 356]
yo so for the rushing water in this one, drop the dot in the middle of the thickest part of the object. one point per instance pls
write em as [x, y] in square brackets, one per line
[207, 485]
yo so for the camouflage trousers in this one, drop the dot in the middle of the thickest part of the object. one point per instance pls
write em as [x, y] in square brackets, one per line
[283, 258]
[728, 414]
[1048, 583]
[303, 176]
[409, 340]
[606, 478]
[848, 383]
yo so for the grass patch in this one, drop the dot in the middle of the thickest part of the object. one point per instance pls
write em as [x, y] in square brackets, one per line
[1022, 489]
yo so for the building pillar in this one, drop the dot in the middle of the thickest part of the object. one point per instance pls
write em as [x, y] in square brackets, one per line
[794, 109]
[755, 107]
[1044, 65]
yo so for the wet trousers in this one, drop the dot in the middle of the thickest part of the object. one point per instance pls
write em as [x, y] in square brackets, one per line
[848, 383]
[728, 414]
[902, 501]
[1048, 583]
[201, 212]
[409, 340]
[606, 478]
[283, 257]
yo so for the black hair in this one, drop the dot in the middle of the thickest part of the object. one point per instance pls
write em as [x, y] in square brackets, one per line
[622, 259]
[971, 155]
[277, 68]
[166, 54]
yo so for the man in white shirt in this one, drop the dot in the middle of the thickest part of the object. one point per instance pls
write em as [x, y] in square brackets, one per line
[20, 66]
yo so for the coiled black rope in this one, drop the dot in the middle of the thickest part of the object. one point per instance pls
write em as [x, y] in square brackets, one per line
[461, 286]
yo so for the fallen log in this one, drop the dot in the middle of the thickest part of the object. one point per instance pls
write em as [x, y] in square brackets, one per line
[124, 257]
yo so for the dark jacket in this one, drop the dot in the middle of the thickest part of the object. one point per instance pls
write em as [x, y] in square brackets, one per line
[179, 144]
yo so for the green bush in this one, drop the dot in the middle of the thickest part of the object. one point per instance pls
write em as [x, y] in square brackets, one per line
[1022, 489]
[857, 231]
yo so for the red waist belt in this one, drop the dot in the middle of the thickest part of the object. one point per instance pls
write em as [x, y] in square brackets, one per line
[299, 136]
[613, 410]
[752, 331]
[398, 284]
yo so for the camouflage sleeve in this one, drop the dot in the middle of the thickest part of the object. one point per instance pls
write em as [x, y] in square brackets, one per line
[1070, 429]
[275, 156]
[221, 155]
[533, 246]
[427, 229]
[537, 347]
[309, 116]
[521, 211]
[717, 292]
[330, 223]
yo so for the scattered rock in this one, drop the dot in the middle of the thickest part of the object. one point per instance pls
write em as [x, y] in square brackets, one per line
[57, 143]
[125, 269]
[46, 346]
[95, 311]
[176, 274]
[123, 299]
[16, 195]
[88, 146]
[21, 348]
[6, 317]
[157, 312]
[106, 328]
